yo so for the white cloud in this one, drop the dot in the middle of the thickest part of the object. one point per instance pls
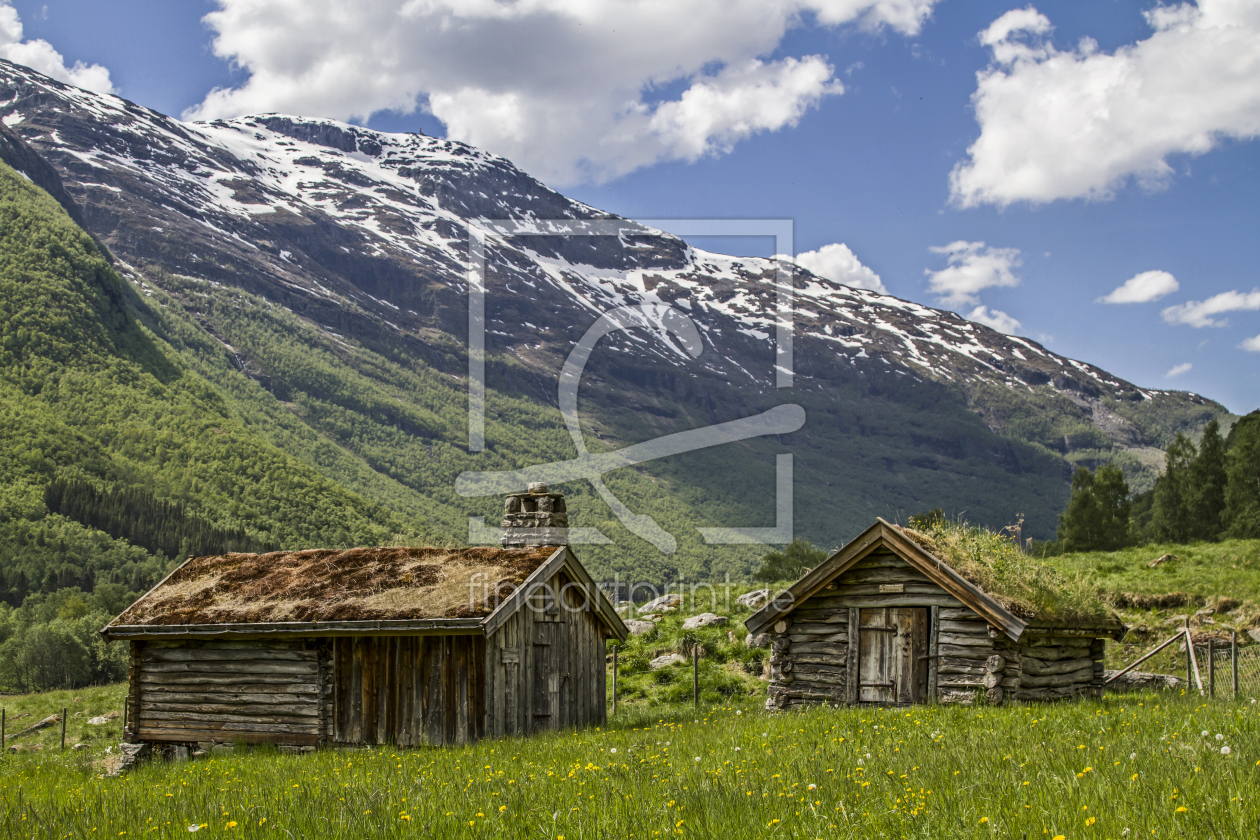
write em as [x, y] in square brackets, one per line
[1079, 123]
[1198, 313]
[973, 267]
[40, 56]
[1252, 344]
[1177, 370]
[995, 318]
[838, 263]
[567, 89]
[1143, 288]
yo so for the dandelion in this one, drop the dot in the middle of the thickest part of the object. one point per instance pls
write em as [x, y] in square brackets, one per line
[697, 758]
[1204, 733]
[1091, 821]
[231, 824]
[1132, 756]
[983, 820]
[194, 827]
[1220, 737]
[613, 750]
[813, 787]
[1224, 750]
[404, 817]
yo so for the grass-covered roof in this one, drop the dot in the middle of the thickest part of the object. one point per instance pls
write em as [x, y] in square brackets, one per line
[1030, 587]
[358, 584]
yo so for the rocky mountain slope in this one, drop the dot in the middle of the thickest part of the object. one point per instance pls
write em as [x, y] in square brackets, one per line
[317, 273]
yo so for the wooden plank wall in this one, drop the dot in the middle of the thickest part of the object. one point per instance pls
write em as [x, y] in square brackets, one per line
[406, 690]
[257, 692]
[545, 668]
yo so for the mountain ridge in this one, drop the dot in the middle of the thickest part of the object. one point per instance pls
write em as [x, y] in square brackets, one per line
[327, 264]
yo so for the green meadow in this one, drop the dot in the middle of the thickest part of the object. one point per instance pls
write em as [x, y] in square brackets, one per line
[1138, 765]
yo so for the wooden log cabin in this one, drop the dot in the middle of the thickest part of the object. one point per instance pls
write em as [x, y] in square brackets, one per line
[404, 646]
[884, 622]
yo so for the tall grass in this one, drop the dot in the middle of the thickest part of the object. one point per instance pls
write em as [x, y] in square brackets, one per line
[1125, 767]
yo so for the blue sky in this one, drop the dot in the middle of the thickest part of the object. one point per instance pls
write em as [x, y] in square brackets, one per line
[1131, 154]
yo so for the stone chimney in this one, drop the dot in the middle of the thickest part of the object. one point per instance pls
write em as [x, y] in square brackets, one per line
[535, 518]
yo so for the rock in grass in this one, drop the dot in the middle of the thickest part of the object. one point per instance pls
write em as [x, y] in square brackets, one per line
[753, 600]
[638, 628]
[665, 603]
[665, 661]
[704, 620]
[1254, 634]
[758, 640]
[1139, 680]
[100, 720]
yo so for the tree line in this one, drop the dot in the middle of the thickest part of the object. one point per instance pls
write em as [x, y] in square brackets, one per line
[1206, 493]
[141, 518]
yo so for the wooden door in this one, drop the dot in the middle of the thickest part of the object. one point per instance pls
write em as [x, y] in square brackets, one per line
[548, 651]
[892, 655]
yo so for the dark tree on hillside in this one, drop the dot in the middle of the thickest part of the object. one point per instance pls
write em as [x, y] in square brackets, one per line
[1097, 516]
[1242, 467]
[1172, 520]
[1207, 485]
[790, 563]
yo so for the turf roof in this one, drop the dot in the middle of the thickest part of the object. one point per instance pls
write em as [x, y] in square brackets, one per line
[357, 584]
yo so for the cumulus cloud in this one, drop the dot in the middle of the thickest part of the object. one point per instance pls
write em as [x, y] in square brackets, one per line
[1252, 344]
[995, 318]
[1200, 313]
[39, 55]
[973, 267]
[1143, 288]
[568, 89]
[1177, 370]
[837, 262]
[1079, 123]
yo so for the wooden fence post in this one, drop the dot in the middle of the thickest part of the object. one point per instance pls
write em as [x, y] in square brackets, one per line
[63, 726]
[1212, 669]
[695, 676]
[125, 699]
[615, 678]
[2, 714]
[1233, 658]
[1189, 653]
[1194, 661]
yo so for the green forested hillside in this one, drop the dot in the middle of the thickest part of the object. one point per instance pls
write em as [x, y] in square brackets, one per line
[90, 396]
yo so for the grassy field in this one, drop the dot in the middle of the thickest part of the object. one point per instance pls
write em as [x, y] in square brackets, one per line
[1151, 766]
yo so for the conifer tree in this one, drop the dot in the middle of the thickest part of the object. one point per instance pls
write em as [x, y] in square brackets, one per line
[1242, 467]
[1173, 493]
[1207, 485]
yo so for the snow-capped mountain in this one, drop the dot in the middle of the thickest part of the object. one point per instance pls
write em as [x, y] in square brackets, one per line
[366, 235]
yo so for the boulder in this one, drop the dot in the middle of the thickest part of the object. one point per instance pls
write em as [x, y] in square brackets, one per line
[665, 661]
[758, 640]
[665, 603]
[704, 620]
[100, 720]
[1254, 634]
[753, 600]
[79, 747]
[638, 628]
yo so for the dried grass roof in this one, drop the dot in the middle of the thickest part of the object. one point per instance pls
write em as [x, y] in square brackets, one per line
[1029, 587]
[357, 584]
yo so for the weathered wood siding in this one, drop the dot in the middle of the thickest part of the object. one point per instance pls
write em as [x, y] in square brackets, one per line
[258, 692]
[406, 690]
[545, 665]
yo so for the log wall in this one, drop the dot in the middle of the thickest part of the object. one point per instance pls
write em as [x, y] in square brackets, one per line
[257, 692]
[1056, 667]
[545, 666]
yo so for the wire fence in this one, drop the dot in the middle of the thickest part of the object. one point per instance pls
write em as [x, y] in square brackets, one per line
[1227, 669]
